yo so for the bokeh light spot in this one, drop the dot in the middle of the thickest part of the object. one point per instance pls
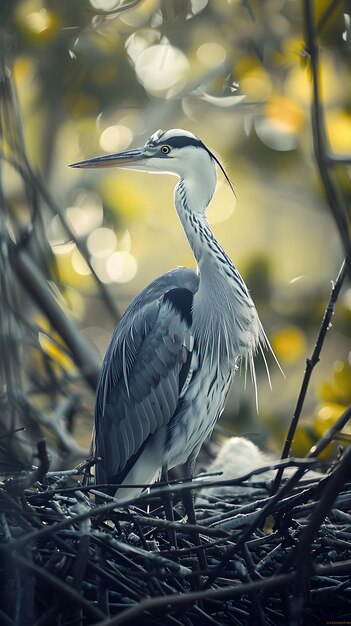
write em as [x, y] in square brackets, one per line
[116, 138]
[222, 205]
[211, 54]
[256, 85]
[38, 21]
[289, 344]
[121, 267]
[198, 5]
[161, 67]
[104, 5]
[275, 135]
[63, 248]
[101, 242]
[338, 128]
[86, 213]
[99, 265]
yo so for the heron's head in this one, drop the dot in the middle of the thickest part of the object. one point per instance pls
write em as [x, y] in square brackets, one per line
[177, 152]
[174, 151]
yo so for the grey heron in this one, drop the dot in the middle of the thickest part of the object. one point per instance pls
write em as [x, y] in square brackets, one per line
[173, 355]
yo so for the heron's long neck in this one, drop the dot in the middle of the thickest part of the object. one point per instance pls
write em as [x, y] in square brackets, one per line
[191, 203]
[223, 310]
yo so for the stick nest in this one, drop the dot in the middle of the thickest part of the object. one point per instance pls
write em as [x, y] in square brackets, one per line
[283, 559]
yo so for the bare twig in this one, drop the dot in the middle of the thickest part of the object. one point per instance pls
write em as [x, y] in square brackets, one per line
[35, 284]
[66, 591]
[310, 365]
[329, 435]
[57, 424]
[320, 141]
[299, 556]
[181, 602]
[327, 14]
[28, 478]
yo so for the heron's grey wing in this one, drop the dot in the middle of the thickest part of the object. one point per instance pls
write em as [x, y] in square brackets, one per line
[141, 377]
[139, 314]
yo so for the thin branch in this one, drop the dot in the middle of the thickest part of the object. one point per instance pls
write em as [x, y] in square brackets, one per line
[35, 284]
[299, 556]
[310, 365]
[332, 158]
[269, 507]
[56, 210]
[28, 478]
[329, 435]
[320, 141]
[56, 423]
[63, 589]
[326, 15]
[184, 600]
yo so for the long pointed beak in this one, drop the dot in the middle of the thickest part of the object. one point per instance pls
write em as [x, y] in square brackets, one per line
[128, 159]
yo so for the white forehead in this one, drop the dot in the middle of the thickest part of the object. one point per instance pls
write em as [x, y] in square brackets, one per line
[174, 133]
[177, 132]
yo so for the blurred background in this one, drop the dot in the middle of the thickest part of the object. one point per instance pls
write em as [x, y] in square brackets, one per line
[87, 78]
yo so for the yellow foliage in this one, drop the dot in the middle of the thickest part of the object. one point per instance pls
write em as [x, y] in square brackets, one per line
[292, 49]
[56, 352]
[289, 344]
[125, 194]
[37, 23]
[256, 85]
[298, 84]
[338, 128]
[326, 417]
[336, 393]
[23, 69]
[82, 105]
[338, 388]
[290, 115]
[53, 346]
[302, 441]
[70, 276]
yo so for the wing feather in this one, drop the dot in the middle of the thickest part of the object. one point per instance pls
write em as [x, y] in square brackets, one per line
[139, 388]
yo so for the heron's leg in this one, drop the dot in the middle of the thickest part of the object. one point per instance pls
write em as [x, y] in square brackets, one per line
[188, 501]
[167, 501]
[189, 495]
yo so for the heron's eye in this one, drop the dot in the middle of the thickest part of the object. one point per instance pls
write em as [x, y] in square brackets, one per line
[165, 149]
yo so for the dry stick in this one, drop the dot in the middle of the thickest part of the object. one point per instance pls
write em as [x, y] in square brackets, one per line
[325, 17]
[35, 284]
[27, 479]
[181, 602]
[329, 435]
[181, 527]
[106, 508]
[56, 210]
[103, 573]
[323, 506]
[268, 508]
[33, 179]
[60, 587]
[336, 205]
[5, 619]
[33, 182]
[57, 424]
[310, 365]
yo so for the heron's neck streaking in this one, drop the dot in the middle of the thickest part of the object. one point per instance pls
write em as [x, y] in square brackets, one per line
[224, 309]
[191, 201]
